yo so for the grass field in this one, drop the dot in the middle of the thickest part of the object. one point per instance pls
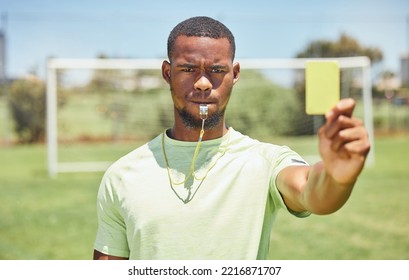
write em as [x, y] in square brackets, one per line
[43, 218]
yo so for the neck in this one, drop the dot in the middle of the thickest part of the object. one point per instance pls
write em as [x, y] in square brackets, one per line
[182, 133]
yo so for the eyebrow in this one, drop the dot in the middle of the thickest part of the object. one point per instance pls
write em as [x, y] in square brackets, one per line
[186, 65]
[218, 66]
[191, 65]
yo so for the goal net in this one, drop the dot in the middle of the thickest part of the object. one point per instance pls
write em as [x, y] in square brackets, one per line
[100, 109]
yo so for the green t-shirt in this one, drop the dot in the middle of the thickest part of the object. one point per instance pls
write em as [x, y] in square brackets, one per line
[225, 210]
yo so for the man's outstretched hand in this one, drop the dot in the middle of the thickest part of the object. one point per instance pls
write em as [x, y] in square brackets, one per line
[343, 143]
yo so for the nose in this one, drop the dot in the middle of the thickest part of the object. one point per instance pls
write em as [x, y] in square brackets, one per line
[203, 84]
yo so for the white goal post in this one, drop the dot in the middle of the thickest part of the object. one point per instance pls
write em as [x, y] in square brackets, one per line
[55, 64]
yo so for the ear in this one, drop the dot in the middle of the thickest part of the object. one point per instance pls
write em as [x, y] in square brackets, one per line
[236, 72]
[166, 71]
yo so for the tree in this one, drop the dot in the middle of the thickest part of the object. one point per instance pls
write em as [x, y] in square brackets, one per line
[386, 85]
[28, 106]
[346, 46]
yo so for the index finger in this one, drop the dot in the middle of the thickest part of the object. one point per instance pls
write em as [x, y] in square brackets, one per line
[344, 107]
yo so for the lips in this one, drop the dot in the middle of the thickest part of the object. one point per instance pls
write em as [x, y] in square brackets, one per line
[202, 102]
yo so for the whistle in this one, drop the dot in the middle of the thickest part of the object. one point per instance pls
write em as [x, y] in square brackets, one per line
[203, 110]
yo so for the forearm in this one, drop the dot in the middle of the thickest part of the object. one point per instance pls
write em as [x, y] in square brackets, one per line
[322, 194]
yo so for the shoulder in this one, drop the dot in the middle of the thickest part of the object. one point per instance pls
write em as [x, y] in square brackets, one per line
[271, 156]
[127, 170]
[245, 144]
[135, 158]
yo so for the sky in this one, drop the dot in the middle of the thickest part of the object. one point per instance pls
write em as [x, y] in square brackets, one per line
[38, 29]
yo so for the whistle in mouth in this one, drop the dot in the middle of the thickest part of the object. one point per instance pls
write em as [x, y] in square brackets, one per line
[203, 110]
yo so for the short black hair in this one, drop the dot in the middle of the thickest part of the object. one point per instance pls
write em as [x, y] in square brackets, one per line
[201, 26]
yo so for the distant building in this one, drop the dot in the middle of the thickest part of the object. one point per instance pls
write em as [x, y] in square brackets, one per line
[404, 70]
[2, 56]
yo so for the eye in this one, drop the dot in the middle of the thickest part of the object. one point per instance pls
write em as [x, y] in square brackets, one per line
[217, 69]
[187, 69]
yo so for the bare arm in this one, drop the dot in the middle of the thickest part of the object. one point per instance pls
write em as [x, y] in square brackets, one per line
[101, 256]
[325, 187]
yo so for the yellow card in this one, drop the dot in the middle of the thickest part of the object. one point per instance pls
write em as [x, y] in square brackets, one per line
[321, 86]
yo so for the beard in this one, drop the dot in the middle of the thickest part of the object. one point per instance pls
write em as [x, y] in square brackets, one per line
[191, 121]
